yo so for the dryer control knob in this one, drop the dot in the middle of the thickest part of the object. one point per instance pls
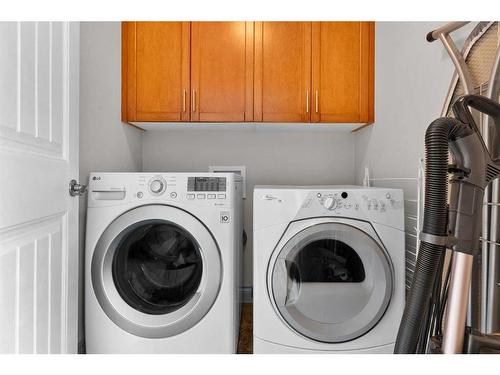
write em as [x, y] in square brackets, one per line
[156, 186]
[330, 203]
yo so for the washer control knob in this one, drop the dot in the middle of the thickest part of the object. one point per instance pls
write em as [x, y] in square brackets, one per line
[330, 203]
[156, 186]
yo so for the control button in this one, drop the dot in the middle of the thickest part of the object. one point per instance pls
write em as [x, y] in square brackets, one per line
[356, 206]
[173, 195]
[388, 196]
[139, 194]
[157, 185]
[200, 196]
[318, 195]
[330, 203]
[343, 195]
[211, 196]
[221, 196]
[190, 196]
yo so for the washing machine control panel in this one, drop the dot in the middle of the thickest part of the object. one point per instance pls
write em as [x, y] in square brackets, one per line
[201, 189]
[197, 188]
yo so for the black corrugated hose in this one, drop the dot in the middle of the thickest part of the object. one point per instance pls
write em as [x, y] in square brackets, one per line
[438, 134]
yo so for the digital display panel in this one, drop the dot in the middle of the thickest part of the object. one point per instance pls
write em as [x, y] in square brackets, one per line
[206, 184]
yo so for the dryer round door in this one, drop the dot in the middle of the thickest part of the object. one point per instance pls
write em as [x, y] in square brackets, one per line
[156, 271]
[331, 282]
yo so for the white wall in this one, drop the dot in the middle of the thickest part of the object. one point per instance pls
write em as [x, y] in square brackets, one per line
[105, 143]
[273, 156]
[412, 77]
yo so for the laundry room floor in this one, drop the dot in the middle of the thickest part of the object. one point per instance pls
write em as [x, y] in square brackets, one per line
[245, 344]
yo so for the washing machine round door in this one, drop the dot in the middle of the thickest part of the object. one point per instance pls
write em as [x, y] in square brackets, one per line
[156, 271]
[331, 282]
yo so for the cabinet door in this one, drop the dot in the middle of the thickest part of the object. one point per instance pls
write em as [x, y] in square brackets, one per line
[282, 71]
[155, 71]
[222, 71]
[343, 71]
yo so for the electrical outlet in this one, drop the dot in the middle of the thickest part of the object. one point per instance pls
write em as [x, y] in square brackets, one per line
[238, 169]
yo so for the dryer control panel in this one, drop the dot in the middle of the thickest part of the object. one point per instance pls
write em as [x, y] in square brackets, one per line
[379, 205]
[289, 203]
[337, 201]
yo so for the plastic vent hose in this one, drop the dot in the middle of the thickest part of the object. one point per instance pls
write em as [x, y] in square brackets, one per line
[438, 134]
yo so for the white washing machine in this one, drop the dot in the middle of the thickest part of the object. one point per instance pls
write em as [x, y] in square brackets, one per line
[163, 263]
[329, 266]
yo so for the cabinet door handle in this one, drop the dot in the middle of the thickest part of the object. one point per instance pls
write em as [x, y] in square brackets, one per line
[183, 100]
[317, 101]
[193, 102]
[307, 101]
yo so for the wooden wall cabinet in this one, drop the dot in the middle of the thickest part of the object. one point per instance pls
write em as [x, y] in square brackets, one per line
[342, 72]
[222, 71]
[248, 71]
[282, 71]
[155, 71]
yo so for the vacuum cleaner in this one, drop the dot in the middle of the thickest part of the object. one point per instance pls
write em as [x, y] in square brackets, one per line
[432, 312]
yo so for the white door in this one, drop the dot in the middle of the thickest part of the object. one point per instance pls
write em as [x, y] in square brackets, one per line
[39, 64]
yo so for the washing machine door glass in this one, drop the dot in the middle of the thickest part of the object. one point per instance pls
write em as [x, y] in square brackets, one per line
[331, 282]
[157, 267]
[156, 271]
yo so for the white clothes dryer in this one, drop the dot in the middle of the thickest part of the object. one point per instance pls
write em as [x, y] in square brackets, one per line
[329, 266]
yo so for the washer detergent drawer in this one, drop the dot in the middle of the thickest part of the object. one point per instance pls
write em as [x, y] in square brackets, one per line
[109, 195]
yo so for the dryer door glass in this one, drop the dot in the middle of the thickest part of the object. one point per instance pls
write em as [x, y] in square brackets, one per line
[157, 267]
[332, 282]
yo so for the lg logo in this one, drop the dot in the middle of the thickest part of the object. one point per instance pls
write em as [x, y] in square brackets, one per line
[96, 178]
[225, 217]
